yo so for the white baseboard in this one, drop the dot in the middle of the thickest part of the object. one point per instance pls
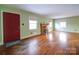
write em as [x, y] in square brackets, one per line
[29, 36]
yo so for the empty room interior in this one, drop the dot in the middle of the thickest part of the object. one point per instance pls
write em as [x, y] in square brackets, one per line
[39, 29]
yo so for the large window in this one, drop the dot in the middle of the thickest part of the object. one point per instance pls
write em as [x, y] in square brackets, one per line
[32, 24]
[63, 24]
[50, 26]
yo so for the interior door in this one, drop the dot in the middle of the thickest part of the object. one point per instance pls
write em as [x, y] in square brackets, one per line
[11, 23]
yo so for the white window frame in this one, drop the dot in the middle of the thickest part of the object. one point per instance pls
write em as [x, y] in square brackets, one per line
[63, 24]
[32, 24]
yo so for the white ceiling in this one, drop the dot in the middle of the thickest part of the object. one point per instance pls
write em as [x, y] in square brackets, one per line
[51, 10]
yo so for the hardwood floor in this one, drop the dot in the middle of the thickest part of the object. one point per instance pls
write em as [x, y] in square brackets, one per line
[56, 43]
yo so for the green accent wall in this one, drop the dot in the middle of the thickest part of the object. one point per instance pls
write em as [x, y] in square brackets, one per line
[1, 29]
[72, 24]
[24, 18]
[0, 25]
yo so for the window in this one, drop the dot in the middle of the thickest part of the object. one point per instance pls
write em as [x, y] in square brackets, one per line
[50, 26]
[63, 24]
[32, 24]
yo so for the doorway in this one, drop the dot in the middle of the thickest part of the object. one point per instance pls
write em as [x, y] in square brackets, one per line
[43, 28]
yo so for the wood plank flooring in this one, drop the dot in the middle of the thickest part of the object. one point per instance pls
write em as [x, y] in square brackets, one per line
[55, 43]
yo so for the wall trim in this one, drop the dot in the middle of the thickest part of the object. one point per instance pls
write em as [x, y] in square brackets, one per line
[32, 35]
